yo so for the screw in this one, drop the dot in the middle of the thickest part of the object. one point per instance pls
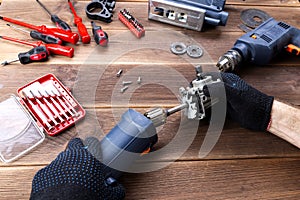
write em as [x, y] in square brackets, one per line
[126, 82]
[119, 72]
[124, 89]
[139, 80]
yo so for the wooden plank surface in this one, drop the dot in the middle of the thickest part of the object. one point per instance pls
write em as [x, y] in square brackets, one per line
[242, 165]
[227, 179]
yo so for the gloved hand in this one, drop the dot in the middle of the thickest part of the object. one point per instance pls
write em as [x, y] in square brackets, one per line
[74, 174]
[245, 104]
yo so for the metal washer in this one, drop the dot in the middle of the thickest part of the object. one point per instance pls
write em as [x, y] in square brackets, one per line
[194, 51]
[178, 48]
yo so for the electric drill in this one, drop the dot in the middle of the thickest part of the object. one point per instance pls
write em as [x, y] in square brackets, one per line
[135, 133]
[261, 45]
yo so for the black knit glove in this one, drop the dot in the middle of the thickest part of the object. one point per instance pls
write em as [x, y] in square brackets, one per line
[75, 174]
[245, 104]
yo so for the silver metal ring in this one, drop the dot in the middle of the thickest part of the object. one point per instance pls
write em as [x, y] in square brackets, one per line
[178, 48]
[194, 51]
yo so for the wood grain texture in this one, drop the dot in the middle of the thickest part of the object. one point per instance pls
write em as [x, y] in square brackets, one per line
[242, 2]
[242, 165]
[228, 179]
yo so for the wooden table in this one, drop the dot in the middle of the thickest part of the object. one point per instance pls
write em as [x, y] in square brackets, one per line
[242, 165]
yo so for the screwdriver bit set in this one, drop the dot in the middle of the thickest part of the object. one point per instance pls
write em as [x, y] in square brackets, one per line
[42, 106]
[51, 104]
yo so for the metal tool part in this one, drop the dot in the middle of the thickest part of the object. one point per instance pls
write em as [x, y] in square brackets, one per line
[178, 48]
[38, 112]
[44, 108]
[119, 72]
[158, 116]
[194, 98]
[229, 61]
[53, 109]
[126, 83]
[176, 109]
[254, 17]
[132, 23]
[65, 103]
[194, 51]
[139, 80]
[57, 105]
[123, 89]
[8, 62]
[193, 101]
[100, 10]
[191, 14]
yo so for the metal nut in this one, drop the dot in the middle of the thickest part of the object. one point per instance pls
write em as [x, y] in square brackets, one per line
[178, 48]
[194, 51]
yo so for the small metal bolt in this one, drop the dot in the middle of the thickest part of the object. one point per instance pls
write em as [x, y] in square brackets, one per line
[124, 89]
[119, 72]
[139, 80]
[127, 82]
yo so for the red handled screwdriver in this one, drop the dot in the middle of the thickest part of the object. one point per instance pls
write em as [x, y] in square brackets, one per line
[66, 36]
[55, 19]
[49, 39]
[52, 48]
[37, 54]
[100, 36]
[85, 37]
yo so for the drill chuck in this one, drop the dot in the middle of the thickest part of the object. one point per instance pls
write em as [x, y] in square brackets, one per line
[229, 61]
[158, 116]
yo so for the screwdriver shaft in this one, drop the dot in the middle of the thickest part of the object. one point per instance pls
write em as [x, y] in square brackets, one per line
[176, 109]
[45, 109]
[53, 109]
[38, 112]
[62, 102]
[58, 106]
[68, 104]
[44, 7]
[8, 62]
[71, 107]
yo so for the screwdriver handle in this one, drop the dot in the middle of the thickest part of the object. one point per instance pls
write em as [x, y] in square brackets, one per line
[37, 54]
[62, 34]
[60, 50]
[55, 19]
[85, 37]
[49, 39]
[60, 23]
[100, 36]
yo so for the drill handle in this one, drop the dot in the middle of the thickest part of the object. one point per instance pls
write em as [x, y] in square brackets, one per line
[296, 38]
[294, 47]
